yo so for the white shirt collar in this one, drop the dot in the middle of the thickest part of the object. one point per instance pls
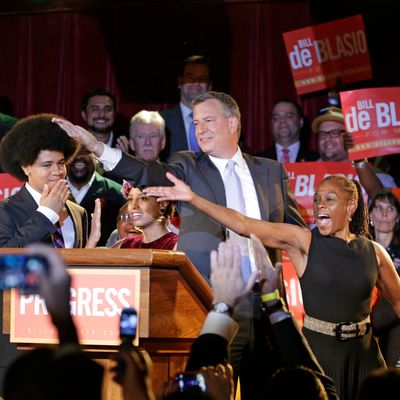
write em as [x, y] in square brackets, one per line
[221, 163]
[293, 151]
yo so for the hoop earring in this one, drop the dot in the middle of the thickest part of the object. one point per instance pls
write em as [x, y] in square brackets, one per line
[162, 210]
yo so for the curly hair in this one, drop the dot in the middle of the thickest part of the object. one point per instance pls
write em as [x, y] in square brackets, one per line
[359, 224]
[29, 136]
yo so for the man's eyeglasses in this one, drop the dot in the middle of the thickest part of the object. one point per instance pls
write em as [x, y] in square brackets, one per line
[334, 134]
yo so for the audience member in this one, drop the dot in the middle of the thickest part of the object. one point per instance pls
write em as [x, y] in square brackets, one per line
[147, 135]
[329, 126]
[384, 212]
[287, 121]
[87, 185]
[194, 79]
[125, 226]
[36, 151]
[217, 120]
[98, 110]
[61, 373]
[149, 218]
[338, 268]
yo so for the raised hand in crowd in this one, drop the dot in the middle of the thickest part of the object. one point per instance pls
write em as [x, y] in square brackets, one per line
[95, 229]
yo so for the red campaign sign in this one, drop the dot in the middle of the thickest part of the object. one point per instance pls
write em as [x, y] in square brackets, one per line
[373, 117]
[8, 186]
[97, 297]
[304, 177]
[293, 290]
[322, 54]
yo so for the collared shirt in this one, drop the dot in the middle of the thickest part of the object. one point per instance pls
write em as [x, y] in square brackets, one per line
[110, 140]
[79, 194]
[67, 229]
[293, 151]
[248, 187]
[187, 115]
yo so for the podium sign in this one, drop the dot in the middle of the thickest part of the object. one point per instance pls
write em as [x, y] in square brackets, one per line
[97, 297]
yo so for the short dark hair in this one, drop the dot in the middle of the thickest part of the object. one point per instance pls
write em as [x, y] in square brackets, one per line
[97, 92]
[29, 136]
[293, 103]
[196, 59]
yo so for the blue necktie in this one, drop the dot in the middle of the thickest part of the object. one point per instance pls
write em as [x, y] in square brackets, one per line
[235, 200]
[193, 144]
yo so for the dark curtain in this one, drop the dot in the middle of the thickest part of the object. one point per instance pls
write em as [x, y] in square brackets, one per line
[49, 60]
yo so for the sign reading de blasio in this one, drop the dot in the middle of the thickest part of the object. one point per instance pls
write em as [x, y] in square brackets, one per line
[372, 116]
[321, 55]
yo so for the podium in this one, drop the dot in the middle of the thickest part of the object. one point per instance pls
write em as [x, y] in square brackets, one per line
[173, 302]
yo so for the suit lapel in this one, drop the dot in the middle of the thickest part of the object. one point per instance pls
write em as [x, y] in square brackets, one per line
[261, 180]
[212, 176]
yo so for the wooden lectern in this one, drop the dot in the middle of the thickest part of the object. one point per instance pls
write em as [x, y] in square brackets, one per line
[174, 300]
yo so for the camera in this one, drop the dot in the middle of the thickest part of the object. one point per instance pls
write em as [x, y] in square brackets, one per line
[21, 271]
[190, 381]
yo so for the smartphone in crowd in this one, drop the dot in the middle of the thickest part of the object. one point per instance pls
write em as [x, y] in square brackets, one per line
[190, 381]
[127, 333]
[21, 271]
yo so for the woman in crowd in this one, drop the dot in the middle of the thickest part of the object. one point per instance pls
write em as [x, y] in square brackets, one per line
[338, 268]
[384, 214]
[150, 219]
[36, 152]
[125, 226]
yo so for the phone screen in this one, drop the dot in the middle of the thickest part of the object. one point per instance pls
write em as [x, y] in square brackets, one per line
[190, 381]
[21, 271]
[128, 323]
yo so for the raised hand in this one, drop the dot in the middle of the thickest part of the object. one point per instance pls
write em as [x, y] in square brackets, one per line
[226, 278]
[95, 229]
[269, 275]
[180, 191]
[56, 197]
[81, 135]
[123, 144]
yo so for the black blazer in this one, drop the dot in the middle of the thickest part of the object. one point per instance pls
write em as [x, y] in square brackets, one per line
[21, 224]
[304, 154]
[199, 234]
[175, 132]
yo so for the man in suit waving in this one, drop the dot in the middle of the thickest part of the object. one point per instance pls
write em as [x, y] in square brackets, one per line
[264, 185]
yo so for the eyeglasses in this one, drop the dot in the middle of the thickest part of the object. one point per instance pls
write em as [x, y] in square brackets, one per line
[126, 217]
[334, 134]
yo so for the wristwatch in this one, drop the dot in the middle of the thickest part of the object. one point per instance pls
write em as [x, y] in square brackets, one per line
[222, 308]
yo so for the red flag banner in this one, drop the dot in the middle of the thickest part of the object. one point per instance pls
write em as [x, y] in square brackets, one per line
[373, 117]
[320, 55]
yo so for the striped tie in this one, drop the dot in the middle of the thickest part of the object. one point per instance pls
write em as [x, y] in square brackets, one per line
[58, 238]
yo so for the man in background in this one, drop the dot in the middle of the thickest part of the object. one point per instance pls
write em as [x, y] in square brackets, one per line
[194, 79]
[287, 122]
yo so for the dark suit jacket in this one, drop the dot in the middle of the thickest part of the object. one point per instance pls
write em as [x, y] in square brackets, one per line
[111, 201]
[21, 224]
[175, 132]
[199, 234]
[289, 345]
[304, 154]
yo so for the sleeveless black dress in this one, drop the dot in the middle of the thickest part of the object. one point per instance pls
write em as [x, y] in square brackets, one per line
[336, 287]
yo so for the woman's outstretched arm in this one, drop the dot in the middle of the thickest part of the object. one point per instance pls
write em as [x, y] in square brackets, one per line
[275, 235]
